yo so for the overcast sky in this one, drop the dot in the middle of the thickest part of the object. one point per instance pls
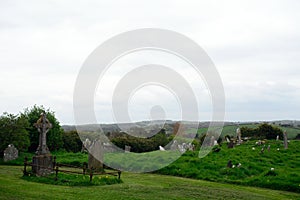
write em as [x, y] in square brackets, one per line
[255, 45]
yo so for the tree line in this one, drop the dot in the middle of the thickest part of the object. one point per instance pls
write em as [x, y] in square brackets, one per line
[20, 131]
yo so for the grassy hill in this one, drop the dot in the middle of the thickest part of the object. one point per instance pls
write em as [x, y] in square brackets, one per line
[135, 186]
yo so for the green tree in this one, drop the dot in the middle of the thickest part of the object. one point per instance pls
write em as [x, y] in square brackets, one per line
[72, 141]
[13, 131]
[263, 131]
[54, 136]
[269, 132]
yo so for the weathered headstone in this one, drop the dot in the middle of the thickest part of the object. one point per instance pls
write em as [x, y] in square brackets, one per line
[127, 149]
[96, 156]
[174, 146]
[10, 153]
[212, 141]
[239, 135]
[42, 163]
[269, 146]
[85, 145]
[285, 140]
[277, 137]
[230, 144]
[229, 164]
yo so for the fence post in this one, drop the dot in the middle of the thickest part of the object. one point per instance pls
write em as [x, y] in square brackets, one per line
[54, 162]
[84, 167]
[91, 174]
[56, 173]
[119, 174]
[25, 165]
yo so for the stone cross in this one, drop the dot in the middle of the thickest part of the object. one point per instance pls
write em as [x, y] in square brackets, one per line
[43, 125]
[285, 140]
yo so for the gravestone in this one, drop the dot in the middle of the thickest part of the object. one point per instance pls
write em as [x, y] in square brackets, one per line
[10, 153]
[174, 146]
[95, 157]
[42, 162]
[212, 141]
[85, 145]
[230, 144]
[229, 164]
[239, 135]
[285, 140]
[127, 149]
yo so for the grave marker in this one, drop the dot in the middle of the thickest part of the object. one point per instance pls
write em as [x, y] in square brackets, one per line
[10, 153]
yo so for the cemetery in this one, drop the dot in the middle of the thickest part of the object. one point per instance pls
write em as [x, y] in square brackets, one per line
[245, 156]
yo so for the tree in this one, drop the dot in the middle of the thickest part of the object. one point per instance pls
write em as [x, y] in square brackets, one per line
[263, 131]
[269, 132]
[54, 136]
[72, 141]
[13, 131]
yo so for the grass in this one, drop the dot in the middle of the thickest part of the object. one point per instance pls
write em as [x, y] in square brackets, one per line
[74, 180]
[135, 186]
[255, 169]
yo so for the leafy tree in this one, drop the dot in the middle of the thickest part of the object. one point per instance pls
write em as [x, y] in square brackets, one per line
[269, 132]
[248, 132]
[264, 131]
[72, 141]
[13, 131]
[54, 136]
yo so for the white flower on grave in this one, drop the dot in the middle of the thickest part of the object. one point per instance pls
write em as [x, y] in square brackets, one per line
[233, 166]
[253, 148]
[277, 149]
[272, 169]
[239, 165]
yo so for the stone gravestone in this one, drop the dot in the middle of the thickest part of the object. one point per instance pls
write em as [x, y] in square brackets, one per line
[96, 156]
[127, 149]
[10, 153]
[212, 141]
[42, 162]
[230, 144]
[285, 140]
[239, 135]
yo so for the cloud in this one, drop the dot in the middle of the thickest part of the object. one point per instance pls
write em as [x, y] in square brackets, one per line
[254, 45]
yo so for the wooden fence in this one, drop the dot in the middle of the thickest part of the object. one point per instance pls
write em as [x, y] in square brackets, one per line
[59, 167]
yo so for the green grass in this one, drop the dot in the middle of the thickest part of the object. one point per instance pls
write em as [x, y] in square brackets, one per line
[255, 169]
[74, 179]
[135, 186]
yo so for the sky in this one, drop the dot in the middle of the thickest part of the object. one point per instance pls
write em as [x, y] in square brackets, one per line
[255, 46]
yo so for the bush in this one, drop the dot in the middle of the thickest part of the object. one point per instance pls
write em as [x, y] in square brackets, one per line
[72, 141]
[139, 145]
[264, 131]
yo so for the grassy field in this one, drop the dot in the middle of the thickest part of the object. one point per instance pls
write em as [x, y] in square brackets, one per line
[255, 167]
[135, 186]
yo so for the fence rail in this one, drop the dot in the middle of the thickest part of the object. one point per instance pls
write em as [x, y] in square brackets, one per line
[55, 168]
